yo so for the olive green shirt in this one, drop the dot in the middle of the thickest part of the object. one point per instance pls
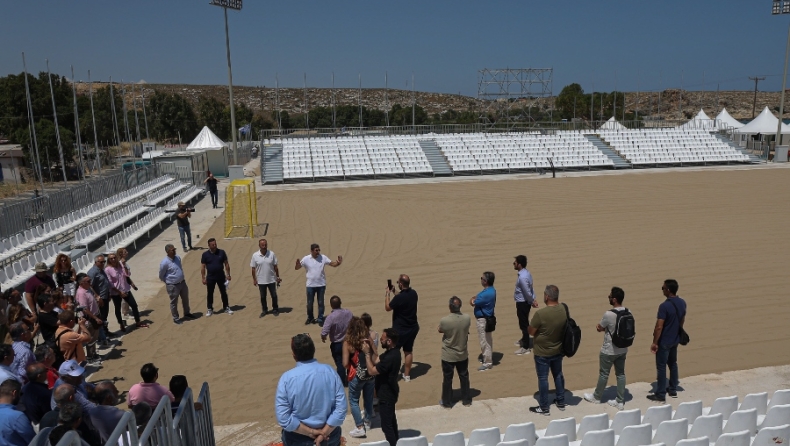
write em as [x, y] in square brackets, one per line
[550, 325]
[455, 337]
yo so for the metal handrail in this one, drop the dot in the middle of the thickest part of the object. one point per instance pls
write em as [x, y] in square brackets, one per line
[159, 430]
[125, 432]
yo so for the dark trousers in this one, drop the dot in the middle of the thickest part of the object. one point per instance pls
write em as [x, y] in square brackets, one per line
[272, 289]
[116, 301]
[462, 367]
[667, 355]
[337, 354]
[312, 292]
[522, 311]
[223, 293]
[214, 197]
[389, 422]
[294, 439]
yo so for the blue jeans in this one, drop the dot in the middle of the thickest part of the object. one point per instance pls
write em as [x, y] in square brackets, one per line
[214, 197]
[312, 291]
[294, 439]
[542, 366]
[185, 230]
[337, 354]
[667, 355]
[357, 388]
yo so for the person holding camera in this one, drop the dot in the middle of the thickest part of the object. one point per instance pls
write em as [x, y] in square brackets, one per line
[484, 303]
[404, 319]
[70, 341]
[182, 221]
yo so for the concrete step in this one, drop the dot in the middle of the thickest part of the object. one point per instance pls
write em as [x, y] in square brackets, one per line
[619, 161]
[435, 157]
[272, 164]
[754, 159]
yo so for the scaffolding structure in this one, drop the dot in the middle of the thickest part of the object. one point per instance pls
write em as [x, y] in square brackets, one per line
[508, 95]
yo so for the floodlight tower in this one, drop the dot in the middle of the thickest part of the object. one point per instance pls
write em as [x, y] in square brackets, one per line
[236, 5]
[781, 7]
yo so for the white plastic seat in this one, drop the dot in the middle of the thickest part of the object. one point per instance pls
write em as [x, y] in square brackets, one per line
[484, 437]
[522, 442]
[589, 423]
[699, 441]
[776, 416]
[3, 277]
[757, 401]
[772, 436]
[707, 426]
[448, 439]
[521, 431]
[688, 410]
[377, 443]
[725, 406]
[672, 431]
[555, 440]
[657, 414]
[561, 426]
[741, 438]
[741, 420]
[636, 435]
[780, 397]
[604, 437]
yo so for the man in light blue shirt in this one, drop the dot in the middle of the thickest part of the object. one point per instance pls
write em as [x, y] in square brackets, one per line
[310, 403]
[15, 428]
[524, 296]
[23, 355]
[7, 357]
[171, 273]
[484, 303]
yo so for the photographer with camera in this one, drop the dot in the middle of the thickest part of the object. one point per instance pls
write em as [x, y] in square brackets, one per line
[182, 220]
[70, 341]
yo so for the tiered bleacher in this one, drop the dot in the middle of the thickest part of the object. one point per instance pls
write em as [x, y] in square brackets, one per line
[20, 252]
[307, 158]
[670, 146]
[514, 151]
[755, 422]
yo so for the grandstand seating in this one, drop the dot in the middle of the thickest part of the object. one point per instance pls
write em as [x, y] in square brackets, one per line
[19, 271]
[670, 146]
[689, 425]
[516, 151]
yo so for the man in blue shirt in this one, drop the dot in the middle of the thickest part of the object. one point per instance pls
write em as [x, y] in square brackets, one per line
[524, 295]
[484, 303]
[213, 274]
[666, 337]
[15, 428]
[310, 403]
[171, 273]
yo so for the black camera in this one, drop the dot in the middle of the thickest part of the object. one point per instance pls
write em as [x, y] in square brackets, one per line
[78, 311]
[185, 209]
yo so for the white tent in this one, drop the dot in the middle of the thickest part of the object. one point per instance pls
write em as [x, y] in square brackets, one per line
[612, 124]
[725, 119]
[701, 121]
[765, 123]
[216, 151]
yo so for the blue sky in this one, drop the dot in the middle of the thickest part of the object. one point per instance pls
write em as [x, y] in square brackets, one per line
[645, 45]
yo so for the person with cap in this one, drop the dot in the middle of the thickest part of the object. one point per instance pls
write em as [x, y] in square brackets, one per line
[42, 277]
[72, 373]
[14, 425]
[36, 395]
[149, 391]
[524, 296]
[69, 341]
[182, 221]
[172, 274]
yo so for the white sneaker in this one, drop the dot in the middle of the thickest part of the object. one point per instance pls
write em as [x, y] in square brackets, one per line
[358, 432]
[517, 343]
[523, 351]
[406, 378]
[367, 424]
[228, 311]
[209, 313]
[590, 398]
[484, 367]
[614, 403]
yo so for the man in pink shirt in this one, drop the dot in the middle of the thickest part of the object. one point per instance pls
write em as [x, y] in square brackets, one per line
[148, 391]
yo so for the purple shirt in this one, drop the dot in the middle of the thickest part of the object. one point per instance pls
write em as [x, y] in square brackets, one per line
[336, 324]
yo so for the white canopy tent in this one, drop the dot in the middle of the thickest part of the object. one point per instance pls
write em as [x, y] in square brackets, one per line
[612, 124]
[216, 151]
[764, 124]
[725, 118]
[701, 121]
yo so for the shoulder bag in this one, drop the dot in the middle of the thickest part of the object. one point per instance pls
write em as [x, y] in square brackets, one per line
[684, 337]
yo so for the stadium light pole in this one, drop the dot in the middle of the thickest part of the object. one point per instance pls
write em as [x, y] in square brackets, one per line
[236, 5]
[781, 7]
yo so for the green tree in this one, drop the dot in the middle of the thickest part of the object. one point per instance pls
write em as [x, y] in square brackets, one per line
[169, 115]
[572, 102]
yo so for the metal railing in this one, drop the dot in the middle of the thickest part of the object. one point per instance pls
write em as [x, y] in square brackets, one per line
[18, 216]
[125, 433]
[71, 438]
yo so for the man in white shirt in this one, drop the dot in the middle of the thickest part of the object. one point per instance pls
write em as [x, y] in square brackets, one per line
[266, 276]
[610, 353]
[316, 280]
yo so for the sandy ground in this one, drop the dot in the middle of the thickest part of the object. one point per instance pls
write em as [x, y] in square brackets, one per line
[719, 233]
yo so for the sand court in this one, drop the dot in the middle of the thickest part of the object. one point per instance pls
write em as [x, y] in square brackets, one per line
[719, 233]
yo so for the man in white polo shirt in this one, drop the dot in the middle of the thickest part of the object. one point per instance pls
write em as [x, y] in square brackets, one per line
[316, 280]
[266, 276]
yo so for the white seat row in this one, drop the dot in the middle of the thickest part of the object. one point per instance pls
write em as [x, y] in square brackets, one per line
[19, 271]
[165, 193]
[106, 225]
[661, 146]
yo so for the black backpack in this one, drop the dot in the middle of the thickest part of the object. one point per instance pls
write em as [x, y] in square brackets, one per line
[572, 336]
[624, 329]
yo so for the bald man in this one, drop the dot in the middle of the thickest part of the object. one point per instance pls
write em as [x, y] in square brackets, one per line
[105, 416]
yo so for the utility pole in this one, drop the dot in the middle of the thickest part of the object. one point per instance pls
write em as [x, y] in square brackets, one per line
[754, 104]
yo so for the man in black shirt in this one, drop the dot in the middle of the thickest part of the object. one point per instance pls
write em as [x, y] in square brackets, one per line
[47, 317]
[182, 220]
[211, 184]
[404, 320]
[386, 368]
[213, 275]
[36, 394]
